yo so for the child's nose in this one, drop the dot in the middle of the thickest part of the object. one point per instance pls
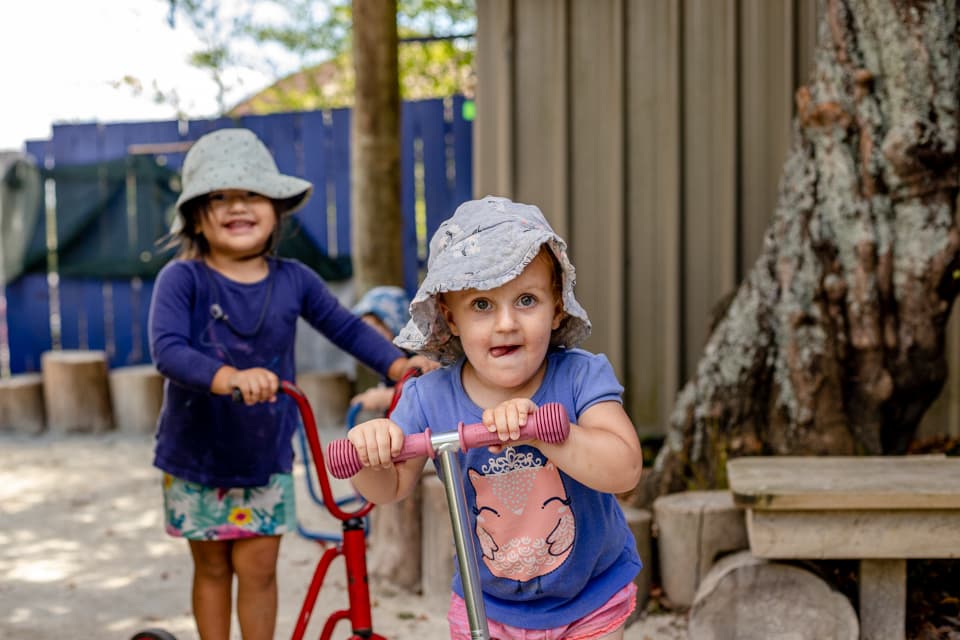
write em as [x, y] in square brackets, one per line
[506, 319]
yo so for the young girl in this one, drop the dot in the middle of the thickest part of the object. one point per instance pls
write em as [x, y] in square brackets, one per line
[497, 305]
[222, 318]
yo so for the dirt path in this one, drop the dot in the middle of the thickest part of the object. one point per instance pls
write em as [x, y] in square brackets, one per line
[83, 553]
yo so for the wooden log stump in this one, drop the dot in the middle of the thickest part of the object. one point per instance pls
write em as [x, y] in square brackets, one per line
[639, 521]
[76, 391]
[137, 395]
[329, 395]
[21, 404]
[394, 551]
[693, 528]
[747, 598]
[438, 552]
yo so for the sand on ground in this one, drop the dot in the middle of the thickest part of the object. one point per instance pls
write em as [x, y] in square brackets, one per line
[83, 553]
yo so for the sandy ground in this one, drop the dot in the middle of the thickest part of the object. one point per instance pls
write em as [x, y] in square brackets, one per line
[83, 553]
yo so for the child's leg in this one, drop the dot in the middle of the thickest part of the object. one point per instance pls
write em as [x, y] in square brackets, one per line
[255, 561]
[212, 587]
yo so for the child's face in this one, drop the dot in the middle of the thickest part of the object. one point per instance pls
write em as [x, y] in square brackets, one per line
[505, 332]
[237, 224]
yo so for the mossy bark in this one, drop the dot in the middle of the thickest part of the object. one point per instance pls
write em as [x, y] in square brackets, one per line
[834, 343]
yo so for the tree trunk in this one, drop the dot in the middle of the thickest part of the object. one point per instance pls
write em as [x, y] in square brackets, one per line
[834, 342]
[375, 148]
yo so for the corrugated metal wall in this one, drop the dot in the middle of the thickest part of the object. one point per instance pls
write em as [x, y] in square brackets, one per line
[652, 133]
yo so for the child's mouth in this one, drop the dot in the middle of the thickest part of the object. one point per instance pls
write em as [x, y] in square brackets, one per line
[497, 352]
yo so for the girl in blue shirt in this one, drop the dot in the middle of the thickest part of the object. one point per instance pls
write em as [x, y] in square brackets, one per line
[497, 307]
[223, 318]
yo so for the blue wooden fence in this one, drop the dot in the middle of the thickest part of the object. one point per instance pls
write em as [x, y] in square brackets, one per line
[112, 314]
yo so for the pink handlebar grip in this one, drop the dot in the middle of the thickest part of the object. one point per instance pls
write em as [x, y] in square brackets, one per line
[344, 462]
[549, 423]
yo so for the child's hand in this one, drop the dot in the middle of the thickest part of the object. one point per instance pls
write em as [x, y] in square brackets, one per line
[423, 363]
[377, 442]
[255, 385]
[401, 365]
[374, 399]
[506, 419]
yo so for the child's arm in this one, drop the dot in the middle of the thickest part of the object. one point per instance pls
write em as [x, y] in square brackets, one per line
[601, 452]
[381, 481]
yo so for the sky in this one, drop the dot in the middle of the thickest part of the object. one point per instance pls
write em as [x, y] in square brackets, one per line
[61, 57]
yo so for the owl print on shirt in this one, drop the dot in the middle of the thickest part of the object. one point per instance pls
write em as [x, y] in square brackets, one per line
[524, 522]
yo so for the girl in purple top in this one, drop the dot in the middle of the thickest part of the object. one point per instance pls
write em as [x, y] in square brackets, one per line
[497, 307]
[223, 317]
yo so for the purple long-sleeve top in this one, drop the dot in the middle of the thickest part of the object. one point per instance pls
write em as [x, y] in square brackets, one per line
[200, 321]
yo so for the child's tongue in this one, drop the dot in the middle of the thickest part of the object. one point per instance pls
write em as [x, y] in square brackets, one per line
[496, 352]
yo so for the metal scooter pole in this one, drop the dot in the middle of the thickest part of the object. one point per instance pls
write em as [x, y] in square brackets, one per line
[463, 540]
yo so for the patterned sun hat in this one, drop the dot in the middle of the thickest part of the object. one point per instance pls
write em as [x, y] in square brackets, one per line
[237, 159]
[389, 304]
[486, 243]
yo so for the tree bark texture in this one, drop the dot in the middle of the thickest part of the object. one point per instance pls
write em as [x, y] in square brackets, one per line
[833, 343]
[375, 148]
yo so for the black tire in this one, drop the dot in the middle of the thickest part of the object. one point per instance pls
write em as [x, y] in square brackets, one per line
[153, 634]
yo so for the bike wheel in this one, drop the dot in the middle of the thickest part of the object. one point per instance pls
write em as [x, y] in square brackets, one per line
[153, 634]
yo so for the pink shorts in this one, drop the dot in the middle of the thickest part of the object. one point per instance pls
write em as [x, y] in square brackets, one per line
[596, 624]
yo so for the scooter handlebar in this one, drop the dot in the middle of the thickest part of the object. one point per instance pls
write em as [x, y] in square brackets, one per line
[549, 423]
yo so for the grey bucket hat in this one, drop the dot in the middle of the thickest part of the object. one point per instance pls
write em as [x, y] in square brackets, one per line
[237, 159]
[485, 244]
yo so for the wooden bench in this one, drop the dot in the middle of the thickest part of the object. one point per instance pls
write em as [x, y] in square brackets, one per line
[880, 510]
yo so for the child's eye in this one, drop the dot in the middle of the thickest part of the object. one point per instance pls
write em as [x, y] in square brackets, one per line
[480, 304]
[526, 300]
[216, 196]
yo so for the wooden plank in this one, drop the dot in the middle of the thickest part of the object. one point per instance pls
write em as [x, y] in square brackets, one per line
[317, 145]
[842, 482]
[494, 129]
[709, 165]
[28, 321]
[919, 533]
[540, 142]
[766, 109]
[806, 26]
[437, 192]
[409, 138]
[340, 164]
[462, 141]
[653, 179]
[597, 212]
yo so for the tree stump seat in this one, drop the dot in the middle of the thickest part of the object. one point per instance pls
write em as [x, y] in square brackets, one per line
[137, 395]
[693, 528]
[76, 391]
[21, 404]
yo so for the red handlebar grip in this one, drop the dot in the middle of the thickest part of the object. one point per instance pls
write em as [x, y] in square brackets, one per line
[549, 423]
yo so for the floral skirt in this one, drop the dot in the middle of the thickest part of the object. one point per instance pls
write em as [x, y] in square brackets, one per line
[197, 512]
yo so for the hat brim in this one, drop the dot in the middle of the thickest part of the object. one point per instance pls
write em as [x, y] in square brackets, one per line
[276, 187]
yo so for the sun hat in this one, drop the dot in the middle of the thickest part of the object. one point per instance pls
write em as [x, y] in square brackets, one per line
[237, 159]
[486, 243]
[389, 304]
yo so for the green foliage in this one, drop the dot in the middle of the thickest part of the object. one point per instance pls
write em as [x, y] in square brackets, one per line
[435, 57]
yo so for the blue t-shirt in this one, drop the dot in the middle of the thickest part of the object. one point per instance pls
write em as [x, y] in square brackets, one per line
[553, 550]
[199, 321]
